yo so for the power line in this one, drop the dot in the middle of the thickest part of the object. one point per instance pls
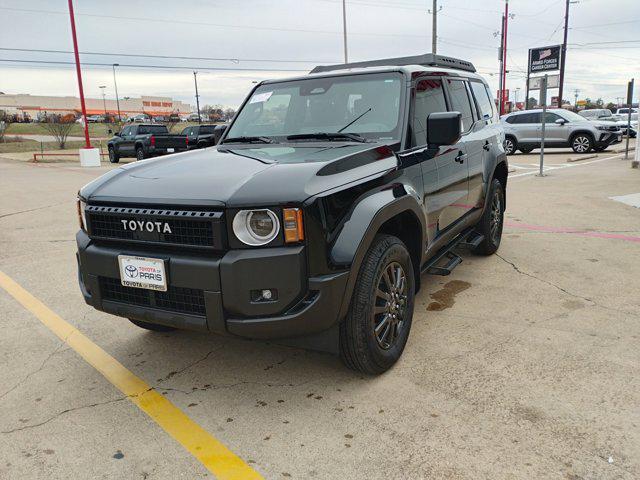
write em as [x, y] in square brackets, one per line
[162, 67]
[176, 57]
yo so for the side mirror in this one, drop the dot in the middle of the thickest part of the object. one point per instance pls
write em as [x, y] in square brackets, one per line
[560, 121]
[110, 132]
[444, 128]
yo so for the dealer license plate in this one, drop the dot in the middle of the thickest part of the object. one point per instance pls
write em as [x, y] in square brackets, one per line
[142, 272]
[170, 150]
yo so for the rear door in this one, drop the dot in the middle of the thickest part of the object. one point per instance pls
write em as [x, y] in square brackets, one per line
[487, 129]
[528, 127]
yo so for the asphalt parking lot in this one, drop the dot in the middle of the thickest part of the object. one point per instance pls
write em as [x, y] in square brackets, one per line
[520, 365]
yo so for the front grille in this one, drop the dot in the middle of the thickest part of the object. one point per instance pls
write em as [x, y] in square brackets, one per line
[171, 227]
[175, 299]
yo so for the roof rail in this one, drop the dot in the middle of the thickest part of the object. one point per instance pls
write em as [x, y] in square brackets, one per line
[426, 60]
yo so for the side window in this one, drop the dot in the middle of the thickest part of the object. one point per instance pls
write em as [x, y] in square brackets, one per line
[460, 102]
[551, 117]
[126, 131]
[484, 102]
[428, 99]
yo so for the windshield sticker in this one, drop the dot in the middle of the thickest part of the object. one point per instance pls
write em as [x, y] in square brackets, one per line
[261, 97]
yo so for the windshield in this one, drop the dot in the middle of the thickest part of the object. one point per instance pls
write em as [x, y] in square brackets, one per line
[324, 105]
[572, 117]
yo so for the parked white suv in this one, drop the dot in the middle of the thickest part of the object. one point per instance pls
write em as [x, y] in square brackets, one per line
[563, 128]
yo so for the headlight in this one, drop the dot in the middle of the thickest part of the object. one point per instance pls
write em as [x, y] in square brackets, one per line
[82, 216]
[256, 227]
[602, 127]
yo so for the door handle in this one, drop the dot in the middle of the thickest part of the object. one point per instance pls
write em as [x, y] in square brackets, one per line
[460, 158]
[487, 145]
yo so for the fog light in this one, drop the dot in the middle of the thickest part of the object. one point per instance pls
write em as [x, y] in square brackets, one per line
[264, 295]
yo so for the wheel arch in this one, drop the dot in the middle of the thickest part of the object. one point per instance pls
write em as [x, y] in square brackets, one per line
[578, 132]
[391, 210]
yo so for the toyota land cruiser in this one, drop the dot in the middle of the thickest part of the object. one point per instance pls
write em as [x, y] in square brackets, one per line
[314, 217]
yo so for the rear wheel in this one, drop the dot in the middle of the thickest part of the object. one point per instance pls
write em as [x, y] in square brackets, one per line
[375, 332]
[113, 156]
[582, 143]
[154, 327]
[491, 222]
[139, 153]
[510, 145]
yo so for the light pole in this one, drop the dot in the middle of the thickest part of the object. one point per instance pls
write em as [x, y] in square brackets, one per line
[115, 84]
[104, 102]
[344, 29]
[195, 80]
[517, 94]
[79, 75]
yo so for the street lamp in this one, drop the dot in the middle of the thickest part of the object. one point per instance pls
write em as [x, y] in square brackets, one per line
[104, 102]
[116, 87]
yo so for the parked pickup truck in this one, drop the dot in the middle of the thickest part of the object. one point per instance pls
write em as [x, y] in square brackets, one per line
[314, 218]
[141, 140]
[201, 136]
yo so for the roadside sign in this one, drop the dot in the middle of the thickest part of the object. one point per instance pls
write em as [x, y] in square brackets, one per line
[544, 59]
[554, 101]
[553, 81]
[581, 103]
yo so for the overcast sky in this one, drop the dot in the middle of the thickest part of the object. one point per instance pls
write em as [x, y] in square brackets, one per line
[298, 34]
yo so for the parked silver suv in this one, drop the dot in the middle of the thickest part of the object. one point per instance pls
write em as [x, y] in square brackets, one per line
[563, 128]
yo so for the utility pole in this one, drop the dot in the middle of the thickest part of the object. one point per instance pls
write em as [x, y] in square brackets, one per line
[504, 56]
[344, 29]
[564, 52]
[434, 28]
[195, 80]
[575, 96]
[79, 74]
[104, 102]
[115, 84]
[501, 60]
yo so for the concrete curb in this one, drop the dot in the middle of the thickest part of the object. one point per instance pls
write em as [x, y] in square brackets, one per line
[580, 158]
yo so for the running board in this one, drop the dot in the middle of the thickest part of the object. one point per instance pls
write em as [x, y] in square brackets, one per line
[445, 260]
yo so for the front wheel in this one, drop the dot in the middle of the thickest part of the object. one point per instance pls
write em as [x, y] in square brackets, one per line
[113, 156]
[582, 143]
[510, 145]
[601, 148]
[139, 153]
[375, 332]
[492, 220]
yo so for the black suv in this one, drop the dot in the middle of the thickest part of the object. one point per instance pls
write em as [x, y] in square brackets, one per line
[313, 219]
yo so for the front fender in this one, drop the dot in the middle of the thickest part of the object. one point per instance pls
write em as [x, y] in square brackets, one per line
[363, 223]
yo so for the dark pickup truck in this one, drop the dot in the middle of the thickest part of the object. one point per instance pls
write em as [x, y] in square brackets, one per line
[314, 218]
[145, 141]
[201, 136]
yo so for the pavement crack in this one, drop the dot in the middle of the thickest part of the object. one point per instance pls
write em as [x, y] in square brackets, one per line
[32, 209]
[551, 284]
[187, 367]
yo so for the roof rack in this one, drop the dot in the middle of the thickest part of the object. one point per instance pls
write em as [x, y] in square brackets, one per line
[426, 60]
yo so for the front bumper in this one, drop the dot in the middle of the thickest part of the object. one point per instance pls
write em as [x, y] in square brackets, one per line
[212, 293]
[608, 138]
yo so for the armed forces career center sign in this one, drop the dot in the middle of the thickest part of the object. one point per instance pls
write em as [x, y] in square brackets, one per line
[544, 59]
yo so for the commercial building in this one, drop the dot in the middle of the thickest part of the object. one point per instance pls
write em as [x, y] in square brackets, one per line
[36, 106]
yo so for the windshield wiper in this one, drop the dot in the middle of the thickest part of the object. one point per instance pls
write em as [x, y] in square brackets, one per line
[355, 120]
[248, 140]
[328, 136]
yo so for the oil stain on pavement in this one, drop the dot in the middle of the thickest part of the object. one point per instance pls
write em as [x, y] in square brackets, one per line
[445, 297]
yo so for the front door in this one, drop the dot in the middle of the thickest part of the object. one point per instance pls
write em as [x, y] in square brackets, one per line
[554, 132]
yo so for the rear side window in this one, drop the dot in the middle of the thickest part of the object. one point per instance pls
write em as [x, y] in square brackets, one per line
[429, 98]
[524, 118]
[484, 102]
[155, 129]
[460, 102]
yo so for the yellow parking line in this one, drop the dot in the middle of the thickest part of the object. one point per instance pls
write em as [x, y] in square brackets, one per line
[217, 458]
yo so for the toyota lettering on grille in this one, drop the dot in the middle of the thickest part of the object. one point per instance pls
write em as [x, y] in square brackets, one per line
[148, 226]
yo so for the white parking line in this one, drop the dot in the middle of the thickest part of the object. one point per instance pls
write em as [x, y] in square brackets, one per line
[561, 167]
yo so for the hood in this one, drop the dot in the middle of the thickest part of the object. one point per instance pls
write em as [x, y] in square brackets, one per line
[240, 175]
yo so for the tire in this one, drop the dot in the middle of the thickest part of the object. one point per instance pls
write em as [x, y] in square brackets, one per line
[510, 145]
[154, 327]
[113, 156]
[492, 221]
[140, 153]
[373, 308]
[526, 150]
[582, 143]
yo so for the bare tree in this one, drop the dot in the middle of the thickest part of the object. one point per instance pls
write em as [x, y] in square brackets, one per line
[59, 127]
[5, 121]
